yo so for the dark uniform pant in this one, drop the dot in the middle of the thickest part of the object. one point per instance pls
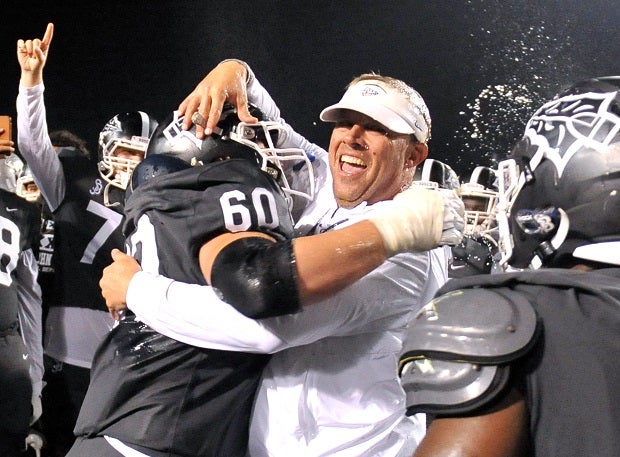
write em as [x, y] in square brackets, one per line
[15, 393]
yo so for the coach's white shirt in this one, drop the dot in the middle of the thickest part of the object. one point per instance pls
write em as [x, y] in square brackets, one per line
[331, 387]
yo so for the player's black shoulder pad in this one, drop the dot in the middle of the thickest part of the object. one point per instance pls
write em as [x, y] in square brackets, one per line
[457, 349]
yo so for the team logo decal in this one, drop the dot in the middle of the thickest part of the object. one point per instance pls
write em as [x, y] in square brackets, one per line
[97, 188]
[580, 122]
[538, 222]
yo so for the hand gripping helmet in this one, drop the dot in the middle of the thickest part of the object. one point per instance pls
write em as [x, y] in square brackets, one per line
[232, 139]
[125, 131]
[436, 174]
[559, 195]
[479, 196]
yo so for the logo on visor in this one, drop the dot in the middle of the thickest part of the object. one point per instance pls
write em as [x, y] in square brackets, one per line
[369, 91]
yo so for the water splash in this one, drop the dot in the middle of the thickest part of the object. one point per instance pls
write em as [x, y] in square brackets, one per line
[520, 67]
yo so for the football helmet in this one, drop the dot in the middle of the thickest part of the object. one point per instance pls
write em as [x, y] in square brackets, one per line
[479, 196]
[559, 196]
[232, 139]
[125, 131]
[25, 186]
[152, 166]
[435, 174]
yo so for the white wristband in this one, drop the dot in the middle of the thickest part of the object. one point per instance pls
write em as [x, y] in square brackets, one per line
[413, 220]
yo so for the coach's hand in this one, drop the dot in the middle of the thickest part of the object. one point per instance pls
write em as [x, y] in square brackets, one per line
[115, 282]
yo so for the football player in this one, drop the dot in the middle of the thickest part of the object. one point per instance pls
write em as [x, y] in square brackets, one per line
[435, 174]
[525, 363]
[21, 349]
[26, 188]
[88, 214]
[122, 144]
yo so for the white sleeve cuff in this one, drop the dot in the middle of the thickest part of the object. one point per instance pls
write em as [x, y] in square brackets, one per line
[195, 315]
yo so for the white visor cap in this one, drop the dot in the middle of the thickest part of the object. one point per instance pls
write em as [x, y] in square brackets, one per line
[401, 111]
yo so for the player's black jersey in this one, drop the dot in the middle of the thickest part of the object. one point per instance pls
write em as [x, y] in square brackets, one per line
[154, 393]
[19, 231]
[45, 257]
[197, 205]
[571, 375]
[85, 232]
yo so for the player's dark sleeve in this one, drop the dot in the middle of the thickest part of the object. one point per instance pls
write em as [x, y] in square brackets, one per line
[258, 277]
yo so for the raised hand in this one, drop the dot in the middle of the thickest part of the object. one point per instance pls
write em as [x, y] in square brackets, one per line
[32, 56]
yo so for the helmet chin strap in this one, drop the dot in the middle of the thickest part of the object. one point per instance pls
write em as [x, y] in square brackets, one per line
[549, 247]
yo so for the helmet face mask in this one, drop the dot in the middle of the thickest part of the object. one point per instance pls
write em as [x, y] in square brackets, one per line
[122, 145]
[117, 170]
[559, 194]
[479, 209]
[263, 138]
[16, 177]
[479, 197]
[25, 186]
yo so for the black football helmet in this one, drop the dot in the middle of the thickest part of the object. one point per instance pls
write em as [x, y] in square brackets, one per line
[153, 166]
[130, 131]
[232, 139]
[559, 197]
[436, 174]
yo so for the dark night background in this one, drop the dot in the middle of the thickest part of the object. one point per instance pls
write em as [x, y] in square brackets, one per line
[481, 65]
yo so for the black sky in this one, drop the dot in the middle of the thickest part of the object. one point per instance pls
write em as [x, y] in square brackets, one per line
[481, 65]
